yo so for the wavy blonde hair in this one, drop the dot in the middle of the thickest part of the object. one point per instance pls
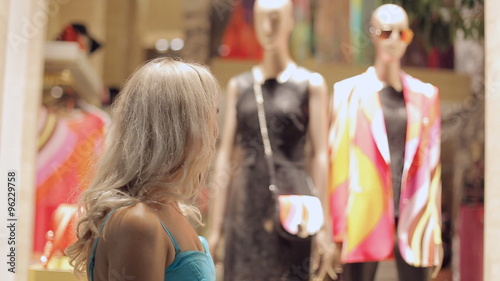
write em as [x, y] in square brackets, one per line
[159, 148]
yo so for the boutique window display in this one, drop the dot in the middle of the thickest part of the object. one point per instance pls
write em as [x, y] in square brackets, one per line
[292, 102]
[70, 134]
[385, 185]
[71, 128]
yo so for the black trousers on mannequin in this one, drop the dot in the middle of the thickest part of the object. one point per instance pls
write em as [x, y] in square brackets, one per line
[366, 271]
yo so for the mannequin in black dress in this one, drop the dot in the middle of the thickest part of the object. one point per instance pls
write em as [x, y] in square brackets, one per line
[296, 108]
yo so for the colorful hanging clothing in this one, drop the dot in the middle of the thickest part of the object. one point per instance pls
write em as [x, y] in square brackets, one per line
[360, 186]
[67, 144]
[239, 39]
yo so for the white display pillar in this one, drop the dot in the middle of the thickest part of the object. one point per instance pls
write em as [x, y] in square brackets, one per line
[492, 172]
[22, 32]
[3, 45]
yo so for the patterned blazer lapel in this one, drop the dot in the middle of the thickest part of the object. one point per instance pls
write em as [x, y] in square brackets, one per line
[373, 109]
[414, 109]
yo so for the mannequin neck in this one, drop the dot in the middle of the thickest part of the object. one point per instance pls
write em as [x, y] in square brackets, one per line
[389, 73]
[275, 62]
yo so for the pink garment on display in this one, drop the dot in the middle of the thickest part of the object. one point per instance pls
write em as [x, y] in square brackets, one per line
[360, 185]
[67, 144]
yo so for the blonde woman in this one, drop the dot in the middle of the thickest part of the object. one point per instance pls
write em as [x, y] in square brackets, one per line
[133, 224]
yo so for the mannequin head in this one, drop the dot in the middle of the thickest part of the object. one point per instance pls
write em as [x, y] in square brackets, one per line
[390, 32]
[273, 21]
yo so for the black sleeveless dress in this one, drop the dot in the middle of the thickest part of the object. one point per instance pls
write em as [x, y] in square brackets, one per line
[254, 251]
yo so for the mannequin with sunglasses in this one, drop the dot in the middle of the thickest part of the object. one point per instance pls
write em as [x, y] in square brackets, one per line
[295, 107]
[384, 164]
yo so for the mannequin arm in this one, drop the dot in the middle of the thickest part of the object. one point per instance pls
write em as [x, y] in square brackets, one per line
[318, 112]
[222, 172]
[323, 258]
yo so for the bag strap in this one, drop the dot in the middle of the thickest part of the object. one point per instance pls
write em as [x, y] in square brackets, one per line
[268, 151]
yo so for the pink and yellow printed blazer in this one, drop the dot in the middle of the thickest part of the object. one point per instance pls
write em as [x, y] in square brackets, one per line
[360, 186]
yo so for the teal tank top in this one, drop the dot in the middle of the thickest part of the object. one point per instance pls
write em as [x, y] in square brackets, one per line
[187, 266]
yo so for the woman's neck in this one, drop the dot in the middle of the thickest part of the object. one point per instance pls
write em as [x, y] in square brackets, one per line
[389, 73]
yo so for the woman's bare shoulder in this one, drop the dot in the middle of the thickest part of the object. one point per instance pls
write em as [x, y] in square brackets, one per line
[134, 243]
[136, 222]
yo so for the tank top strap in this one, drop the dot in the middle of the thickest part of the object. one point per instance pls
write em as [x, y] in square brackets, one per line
[176, 246]
[96, 241]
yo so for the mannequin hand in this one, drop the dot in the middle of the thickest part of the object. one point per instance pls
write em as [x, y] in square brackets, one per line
[325, 258]
[337, 260]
